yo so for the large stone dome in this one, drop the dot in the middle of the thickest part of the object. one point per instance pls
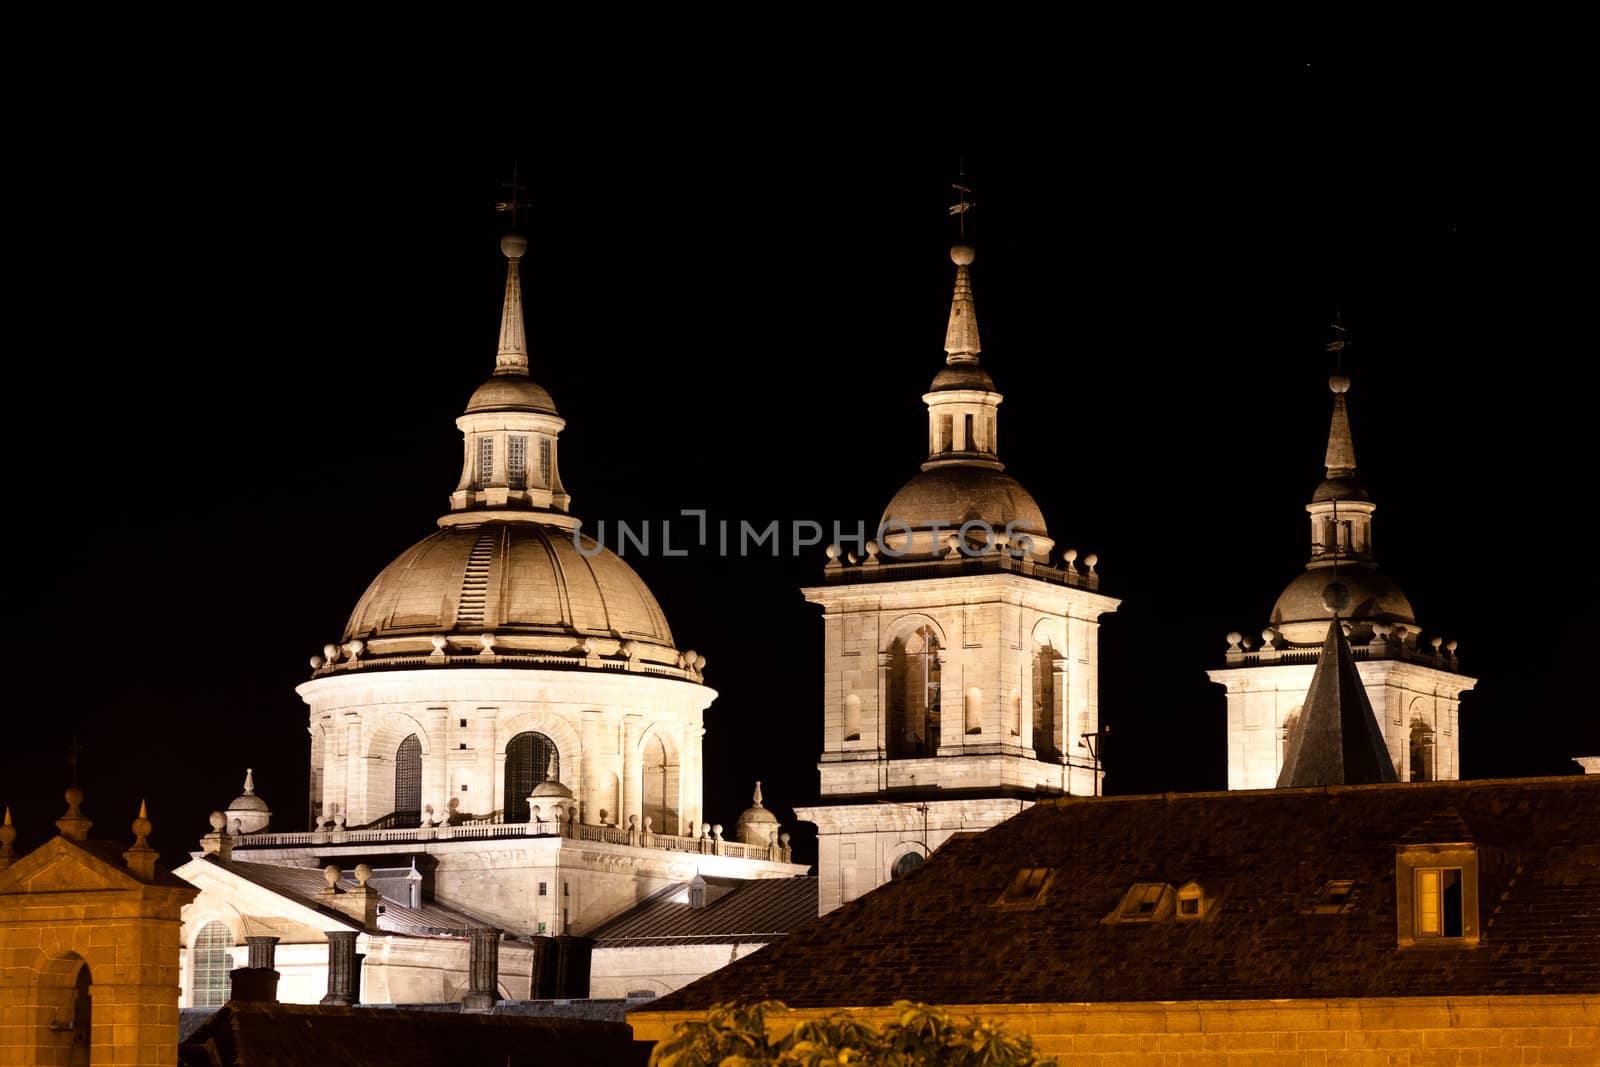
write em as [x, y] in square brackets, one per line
[509, 578]
[1302, 618]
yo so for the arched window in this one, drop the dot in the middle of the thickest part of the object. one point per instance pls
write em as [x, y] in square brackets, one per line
[1421, 751]
[660, 794]
[408, 782]
[905, 865]
[914, 672]
[209, 965]
[529, 757]
[1046, 703]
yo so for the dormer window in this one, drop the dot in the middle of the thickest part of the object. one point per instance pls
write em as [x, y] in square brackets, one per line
[1027, 890]
[1438, 902]
[1334, 898]
[1191, 902]
[1437, 889]
[1145, 902]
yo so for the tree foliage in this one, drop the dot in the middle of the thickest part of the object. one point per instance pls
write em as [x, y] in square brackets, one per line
[767, 1034]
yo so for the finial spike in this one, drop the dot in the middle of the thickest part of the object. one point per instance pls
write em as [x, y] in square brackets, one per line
[757, 797]
[250, 781]
[550, 771]
[1341, 455]
[144, 811]
[8, 816]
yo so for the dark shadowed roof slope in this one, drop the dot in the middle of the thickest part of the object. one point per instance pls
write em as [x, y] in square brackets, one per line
[302, 884]
[308, 1035]
[758, 909]
[959, 931]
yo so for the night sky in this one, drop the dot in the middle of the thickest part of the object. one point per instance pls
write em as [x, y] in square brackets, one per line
[235, 404]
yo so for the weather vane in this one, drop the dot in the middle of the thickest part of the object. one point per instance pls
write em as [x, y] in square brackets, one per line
[1336, 346]
[960, 208]
[516, 201]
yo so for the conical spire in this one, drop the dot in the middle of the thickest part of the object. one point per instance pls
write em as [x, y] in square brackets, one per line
[961, 336]
[249, 783]
[512, 357]
[1337, 740]
[8, 834]
[141, 858]
[1341, 457]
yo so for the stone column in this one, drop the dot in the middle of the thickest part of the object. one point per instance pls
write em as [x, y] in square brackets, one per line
[263, 951]
[632, 772]
[882, 715]
[343, 964]
[587, 793]
[483, 978]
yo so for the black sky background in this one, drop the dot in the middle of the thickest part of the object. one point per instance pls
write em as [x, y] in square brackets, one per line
[233, 399]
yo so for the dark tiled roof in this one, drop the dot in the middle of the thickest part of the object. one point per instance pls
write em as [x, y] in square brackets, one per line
[758, 909]
[308, 1035]
[1338, 740]
[1265, 857]
[302, 884]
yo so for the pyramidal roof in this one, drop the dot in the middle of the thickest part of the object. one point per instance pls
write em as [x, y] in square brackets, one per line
[1337, 740]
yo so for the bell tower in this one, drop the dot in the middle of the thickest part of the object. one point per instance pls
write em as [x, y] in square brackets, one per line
[1413, 681]
[961, 651]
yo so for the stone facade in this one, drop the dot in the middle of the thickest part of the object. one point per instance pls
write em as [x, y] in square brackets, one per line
[89, 943]
[1371, 1032]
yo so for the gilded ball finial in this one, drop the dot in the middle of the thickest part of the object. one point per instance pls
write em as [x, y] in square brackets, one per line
[514, 245]
[1339, 383]
[961, 254]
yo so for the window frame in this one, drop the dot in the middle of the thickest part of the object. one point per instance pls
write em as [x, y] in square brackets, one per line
[1411, 859]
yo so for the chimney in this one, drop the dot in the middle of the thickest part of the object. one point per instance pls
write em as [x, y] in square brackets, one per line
[543, 968]
[256, 982]
[572, 966]
[344, 965]
[483, 976]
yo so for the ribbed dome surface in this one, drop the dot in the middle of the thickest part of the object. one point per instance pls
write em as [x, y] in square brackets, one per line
[509, 577]
[953, 495]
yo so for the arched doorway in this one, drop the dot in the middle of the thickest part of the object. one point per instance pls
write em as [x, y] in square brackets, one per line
[530, 756]
[82, 1021]
[408, 782]
[210, 966]
[914, 694]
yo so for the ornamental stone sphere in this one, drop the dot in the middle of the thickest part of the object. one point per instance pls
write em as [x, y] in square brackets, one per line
[1339, 383]
[514, 245]
[962, 254]
[1336, 597]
